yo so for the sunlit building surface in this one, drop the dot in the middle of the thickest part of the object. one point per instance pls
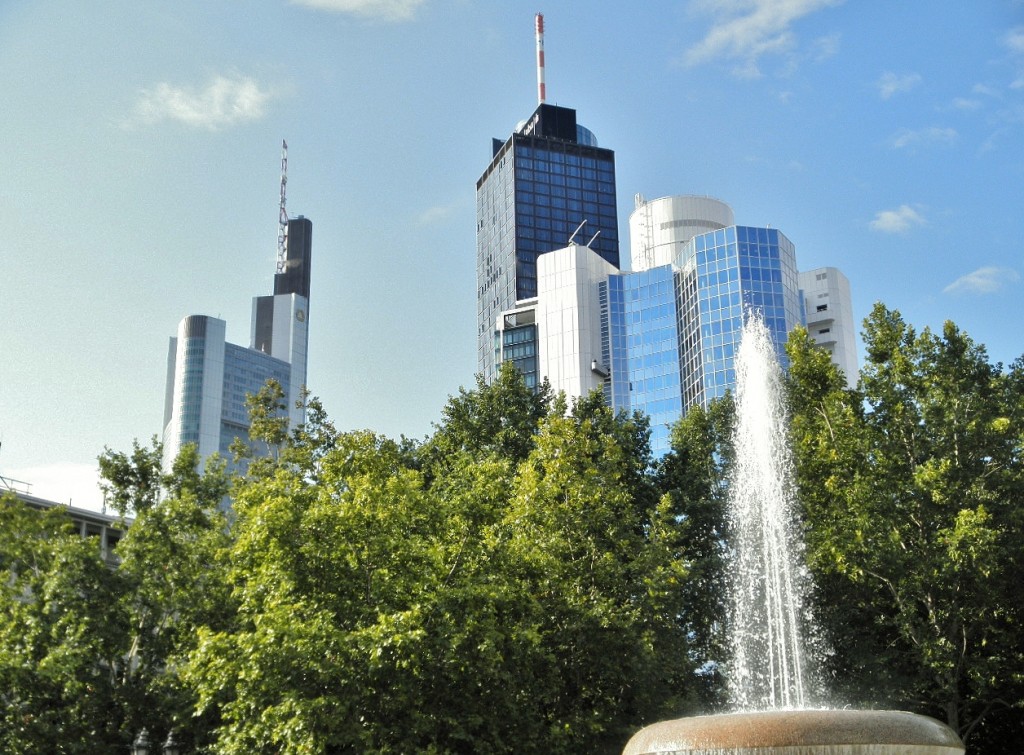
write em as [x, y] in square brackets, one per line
[828, 309]
[661, 338]
[208, 379]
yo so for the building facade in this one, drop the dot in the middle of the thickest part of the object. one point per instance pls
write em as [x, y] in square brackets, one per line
[547, 186]
[105, 530]
[208, 378]
[828, 312]
[661, 338]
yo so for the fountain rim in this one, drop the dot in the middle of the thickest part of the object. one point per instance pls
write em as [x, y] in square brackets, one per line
[792, 728]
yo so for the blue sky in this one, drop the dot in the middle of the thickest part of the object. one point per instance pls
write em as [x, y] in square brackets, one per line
[140, 169]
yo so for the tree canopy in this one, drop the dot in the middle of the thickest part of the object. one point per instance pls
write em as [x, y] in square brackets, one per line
[911, 486]
[527, 578]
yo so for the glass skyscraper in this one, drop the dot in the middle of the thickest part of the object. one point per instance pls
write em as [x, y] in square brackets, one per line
[208, 378]
[643, 334]
[724, 275]
[546, 184]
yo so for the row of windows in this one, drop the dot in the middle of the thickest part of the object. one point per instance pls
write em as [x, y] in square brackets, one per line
[538, 202]
[519, 351]
[648, 289]
[558, 163]
[732, 234]
[713, 303]
[535, 147]
[663, 406]
[718, 326]
[563, 226]
[668, 380]
[758, 251]
[666, 357]
[664, 332]
[520, 335]
[568, 175]
[568, 210]
[652, 316]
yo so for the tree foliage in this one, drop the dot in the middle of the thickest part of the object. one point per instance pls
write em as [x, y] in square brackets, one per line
[527, 578]
[60, 637]
[693, 479]
[504, 586]
[912, 488]
[89, 653]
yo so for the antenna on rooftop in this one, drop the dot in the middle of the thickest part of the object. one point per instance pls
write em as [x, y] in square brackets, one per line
[541, 93]
[572, 239]
[282, 228]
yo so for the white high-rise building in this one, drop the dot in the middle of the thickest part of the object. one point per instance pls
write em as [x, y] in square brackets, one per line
[208, 379]
[828, 309]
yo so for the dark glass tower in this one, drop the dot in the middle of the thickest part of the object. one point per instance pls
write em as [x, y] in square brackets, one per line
[543, 182]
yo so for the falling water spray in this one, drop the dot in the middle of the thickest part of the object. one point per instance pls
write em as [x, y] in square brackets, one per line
[769, 664]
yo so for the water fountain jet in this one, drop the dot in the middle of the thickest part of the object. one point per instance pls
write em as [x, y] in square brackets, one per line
[769, 669]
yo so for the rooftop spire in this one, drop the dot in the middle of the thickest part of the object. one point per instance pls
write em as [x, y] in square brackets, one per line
[541, 93]
[282, 220]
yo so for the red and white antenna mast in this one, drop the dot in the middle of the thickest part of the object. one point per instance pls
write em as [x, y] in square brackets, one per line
[282, 228]
[541, 93]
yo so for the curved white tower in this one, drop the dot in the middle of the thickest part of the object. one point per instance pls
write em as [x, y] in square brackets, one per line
[659, 228]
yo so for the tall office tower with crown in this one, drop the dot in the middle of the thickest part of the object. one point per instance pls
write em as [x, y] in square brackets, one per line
[208, 379]
[548, 184]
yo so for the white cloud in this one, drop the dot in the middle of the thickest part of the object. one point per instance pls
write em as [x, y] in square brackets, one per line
[1014, 40]
[933, 135]
[744, 30]
[964, 103]
[68, 483]
[984, 280]
[899, 220]
[222, 102]
[383, 10]
[826, 47]
[891, 83]
[437, 214]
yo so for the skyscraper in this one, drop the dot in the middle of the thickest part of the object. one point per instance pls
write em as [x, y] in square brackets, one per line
[828, 309]
[661, 338]
[546, 185]
[208, 378]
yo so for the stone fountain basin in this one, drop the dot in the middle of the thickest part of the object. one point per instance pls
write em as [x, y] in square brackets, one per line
[798, 732]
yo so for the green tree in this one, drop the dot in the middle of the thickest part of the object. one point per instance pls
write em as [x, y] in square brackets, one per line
[692, 480]
[586, 537]
[173, 572]
[131, 482]
[324, 578]
[499, 418]
[509, 585]
[911, 487]
[62, 630]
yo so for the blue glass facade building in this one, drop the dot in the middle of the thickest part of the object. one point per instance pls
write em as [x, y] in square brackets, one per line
[543, 182]
[670, 333]
[643, 334]
[723, 275]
